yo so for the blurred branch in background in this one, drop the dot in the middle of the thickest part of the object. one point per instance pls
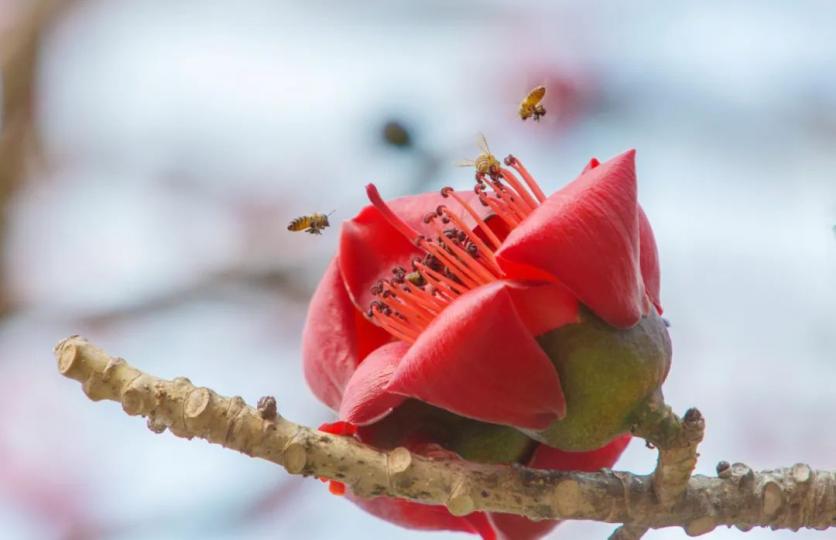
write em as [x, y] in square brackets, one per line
[20, 48]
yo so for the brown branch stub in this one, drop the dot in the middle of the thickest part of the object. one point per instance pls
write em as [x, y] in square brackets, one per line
[789, 498]
[267, 407]
[677, 441]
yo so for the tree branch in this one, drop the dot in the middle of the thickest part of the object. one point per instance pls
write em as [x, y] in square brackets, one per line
[788, 498]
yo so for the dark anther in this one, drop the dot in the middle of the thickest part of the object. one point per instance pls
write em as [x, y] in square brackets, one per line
[267, 408]
[510, 160]
[445, 219]
[429, 217]
[377, 288]
[439, 210]
[445, 191]
[472, 249]
[462, 236]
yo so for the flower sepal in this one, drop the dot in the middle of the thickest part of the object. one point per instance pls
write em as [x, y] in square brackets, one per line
[607, 375]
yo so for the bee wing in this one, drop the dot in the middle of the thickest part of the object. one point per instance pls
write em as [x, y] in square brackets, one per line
[465, 163]
[482, 143]
[536, 95]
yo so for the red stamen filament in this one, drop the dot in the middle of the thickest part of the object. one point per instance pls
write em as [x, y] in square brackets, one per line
[393, 325]
[407, 308]
[477, 270]
[505, 196]
[484, 251]
[501, 211]
[458, 260]
[529, 180]
[487, 230]
[521, 191]
[431, 303]
[388, 214]
[449, 288]
[451, 262]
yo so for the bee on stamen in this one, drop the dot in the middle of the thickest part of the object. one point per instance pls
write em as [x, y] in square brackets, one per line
[485, 163]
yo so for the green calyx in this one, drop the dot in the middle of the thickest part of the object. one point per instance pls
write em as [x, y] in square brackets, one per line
[607, 375]
[417, 422]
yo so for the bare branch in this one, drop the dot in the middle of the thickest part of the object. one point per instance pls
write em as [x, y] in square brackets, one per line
[788, 498]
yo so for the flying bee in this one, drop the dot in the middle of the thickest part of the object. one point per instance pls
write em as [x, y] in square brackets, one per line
[531, 106]
[313, 224]
[485, 163]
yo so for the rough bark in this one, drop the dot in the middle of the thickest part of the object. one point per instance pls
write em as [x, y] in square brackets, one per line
[788, 498]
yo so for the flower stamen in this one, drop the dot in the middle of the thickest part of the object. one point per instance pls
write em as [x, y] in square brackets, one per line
[456, 259]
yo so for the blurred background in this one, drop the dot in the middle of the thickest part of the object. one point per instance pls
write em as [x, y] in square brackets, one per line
[152, 154]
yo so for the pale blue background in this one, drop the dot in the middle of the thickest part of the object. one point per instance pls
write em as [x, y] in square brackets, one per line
[183, 136]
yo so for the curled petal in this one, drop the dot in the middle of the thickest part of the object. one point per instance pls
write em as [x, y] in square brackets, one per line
[370, 246]
[649, 261]
[423, 516]
[546, 457]
[543, 307]
[514, 527]
[478, 359]
[586, 236]
[366, 399]
[336, 338]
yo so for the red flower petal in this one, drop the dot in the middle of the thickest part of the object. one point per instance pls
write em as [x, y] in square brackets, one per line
[339, 428]
[366, 399]
[649, 261]
[370, 247]
[423, 516]
[478, 359]
[513, 527]
[546, 457]
[587, 237]
[336, 338]
[543, 307]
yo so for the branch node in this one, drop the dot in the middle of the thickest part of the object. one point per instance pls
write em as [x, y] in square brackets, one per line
[132, 398]
[743, 475]
[700, 526]
[112, 364]
[398, 460]
[628, 531]
[267, 408]
[197, 403]
[460, 502]
[155, 425]
[801, 473]
[294, 455]
[773, 498]
[566, 496]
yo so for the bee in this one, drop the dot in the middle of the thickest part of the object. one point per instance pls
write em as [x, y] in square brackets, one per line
[312, 224]
[531, 106]
[485, 163]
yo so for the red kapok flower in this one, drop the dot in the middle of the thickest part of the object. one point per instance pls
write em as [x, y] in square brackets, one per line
[441, 298]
